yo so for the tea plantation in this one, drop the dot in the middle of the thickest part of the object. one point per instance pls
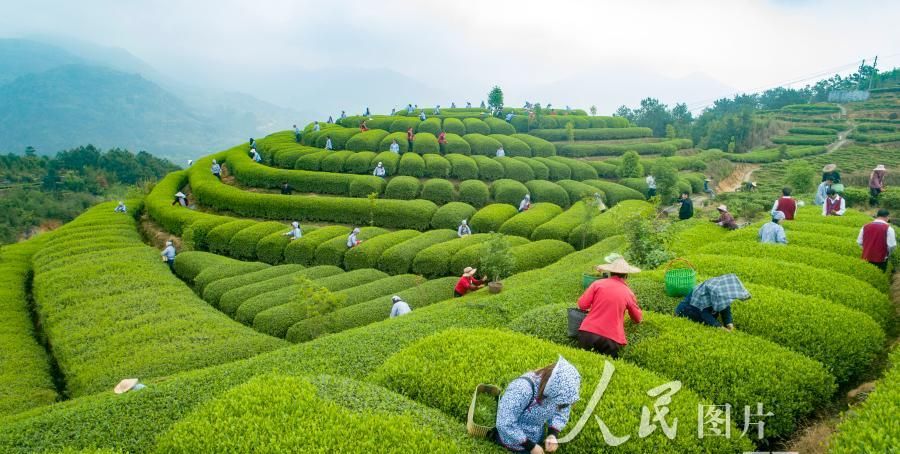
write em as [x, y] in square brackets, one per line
[259, 342]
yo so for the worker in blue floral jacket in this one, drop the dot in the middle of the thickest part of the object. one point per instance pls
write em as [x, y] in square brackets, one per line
[537, 402]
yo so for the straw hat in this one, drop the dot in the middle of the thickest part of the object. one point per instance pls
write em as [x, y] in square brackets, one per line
[396, 298]
[125, 385]
[295, 224]
[179, 194]
[469, 271]
[829, 167]
[618, 266]
[880, 167]
[722, 208]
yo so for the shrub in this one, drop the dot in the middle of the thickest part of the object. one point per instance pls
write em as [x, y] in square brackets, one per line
[474, 193]
[561, 226]
[575, 190]
[246, 302]
[801, 176]
[244, 243]
[366, 255]
[331, 252]
[436, 166]
[219, 238]
[462, 167]
[638, 184]
[615, 192]
[374, 310]
[360, 163]
[390, 161]
[434, 261]
[270, 248]
[454, 126]
[311, 161]
[491, 217]
[400, 137]
[339, 137]
[303, 251]
[398, 259]
[863, 429]
[512, 146]
[214, 291]
[515, 170]
[365, 185]
[539, 147]
[520, 123]
[609, 223]
[456, 144]
[557, 170]
[75, 297]
[334, 162]
[24, 370]
[488, 168]
[402, 124]
[809, 130]
[431, 126]
[192, 263]
[423, 372]
[524, 223]
[548, 192]
[439, 191]
[450, 215]
[580, 170]
[498, 126]
[614, 149]
[804, 140]
[412, 165]
[426, 143]
[482, 145]
[508, 191]
[593, 133]
[476, 126]
[280, 408]
[541, 172]
[213, 274]
[538, 254]
[403, 188]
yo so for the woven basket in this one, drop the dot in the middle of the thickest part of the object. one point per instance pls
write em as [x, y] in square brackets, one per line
[473, 429]
[680, 281]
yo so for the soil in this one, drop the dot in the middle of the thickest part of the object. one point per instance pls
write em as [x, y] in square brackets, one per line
[740, 175]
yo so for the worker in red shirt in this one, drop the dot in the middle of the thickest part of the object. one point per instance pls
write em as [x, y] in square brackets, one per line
[606, 301]
[878, 240]
[786, 204]
[442, 138]
[410, 137]
[363, 127]
[467, 282]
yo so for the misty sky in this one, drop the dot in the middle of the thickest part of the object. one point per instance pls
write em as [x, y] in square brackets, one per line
[465, 46]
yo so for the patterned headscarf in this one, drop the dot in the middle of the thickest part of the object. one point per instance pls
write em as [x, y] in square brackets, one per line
[564, 384]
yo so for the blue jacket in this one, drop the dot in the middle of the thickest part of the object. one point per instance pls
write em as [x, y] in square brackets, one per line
[521, 417]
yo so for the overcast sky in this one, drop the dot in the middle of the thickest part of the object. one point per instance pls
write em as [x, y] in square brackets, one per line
[458, 45]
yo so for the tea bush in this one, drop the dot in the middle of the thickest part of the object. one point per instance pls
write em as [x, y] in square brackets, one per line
[412, 165]
[311, 161]
[398, 259]
[593, 133]
[791, 139]
[462, 167]
[561, 226]
[488, 168]
[434, 261]
[219, 238]
[522, 224]
[609, 223]
[439, 191]
[450, 215]
[615, 149]
[270, 248]
[539, 147]
[389, 160]
[331, 252]
[474, 193]
[491, 217]
[303, 250]
[615, 192]
[482, 144]
[515, 170]
[222, 271]
[454, 126]
[548, 192]
[246, 302]
[604, 169]
[511, 145]
[402, 124]
[499, 126]
[367, 141]
[476, 126]
[425, 142]
[527, 255]
[244, 243]
[456, 144]
[508, 191]
[366, 255]
[580, 170]
[213, 292]
[192, 263]
[541, 172]
[400, 137]
[334, 162]
[431, 126]
[577, 190]
[557, 170]
[403, 188]
[436, 166]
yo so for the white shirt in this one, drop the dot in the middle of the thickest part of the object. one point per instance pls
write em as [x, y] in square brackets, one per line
[463, 230]
[840, 211]
[379, 171]
[316, 127]
[295, 233]
[395, 148]
[651, 182]
[328, 145]
[501, 152]
[891, 237]
[351, 240]
[524, 204]
[400, 308]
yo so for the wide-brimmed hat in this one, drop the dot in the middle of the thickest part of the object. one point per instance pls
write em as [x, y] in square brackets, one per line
[722, 208]
[356, 230]
[295, 224]
[880, 167]
[125, 385]
[179, 194]
[464, 222]
[829, 167]
[469, 271]
[618, 266]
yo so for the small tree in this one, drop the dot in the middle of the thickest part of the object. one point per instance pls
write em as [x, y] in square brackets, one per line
[372, 198]
[570, 132]
[801, 176]
[731, 145]
[593, 110]
[591, 210]
[497, 261]
[315, 299]
[666, 180]
[631, 166]
[670, 131]
[648, 242]
[495, 99]
[538, 114]
[783, 152]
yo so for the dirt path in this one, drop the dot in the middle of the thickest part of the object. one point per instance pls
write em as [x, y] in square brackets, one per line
[842, 136]
[740, 175]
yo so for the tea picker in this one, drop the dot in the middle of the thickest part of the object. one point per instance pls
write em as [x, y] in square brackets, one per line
[525, 204]
[352, 240]
[128, 384]
[834, 204]
[121, 208]
[168, 255]
[606, 301]
[773, 232]
[216, 169]
[295, 233]
[725, 219]
[878, 240]
[467, 282]
[379, 170]
[463, 229]
[711, 301]
[399, 307]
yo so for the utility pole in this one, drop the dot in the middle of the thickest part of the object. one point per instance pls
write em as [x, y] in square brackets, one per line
[874, 72]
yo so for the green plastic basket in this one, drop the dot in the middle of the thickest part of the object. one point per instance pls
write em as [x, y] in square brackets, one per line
[680, 281]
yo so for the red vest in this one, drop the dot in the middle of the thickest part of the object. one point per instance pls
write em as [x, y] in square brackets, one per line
[788, 206]
[875, 248]
[832, 206]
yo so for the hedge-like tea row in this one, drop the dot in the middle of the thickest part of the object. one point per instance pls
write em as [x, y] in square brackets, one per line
[791, 139]
[243, 303]
[508, 191]
[284, 412]
[423, 294]
[593, 133]
[515, 169]
[668, 345]
[614, 192]
[226, 270]
[527, 256]
[844, 247]
[871, 427]
[561, 226]
[214, 290]
[434, 261]
[811, 109]
[539, 147]
[522, 224]
[451, 214]
[876, 138]
[303, 250]
[844, 340]
[192, 263]
[25, 379]
[244, 245]
[491, 217]
[331, 252]
[276, 320]
[117, 311]
[803, 279]
[443, 369]
[609, 223]
[614, 149]
[398, 259]
[219, 238]
[810, 130]
[367, 254]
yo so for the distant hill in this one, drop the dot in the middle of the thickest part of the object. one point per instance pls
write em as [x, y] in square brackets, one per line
[53, 98]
